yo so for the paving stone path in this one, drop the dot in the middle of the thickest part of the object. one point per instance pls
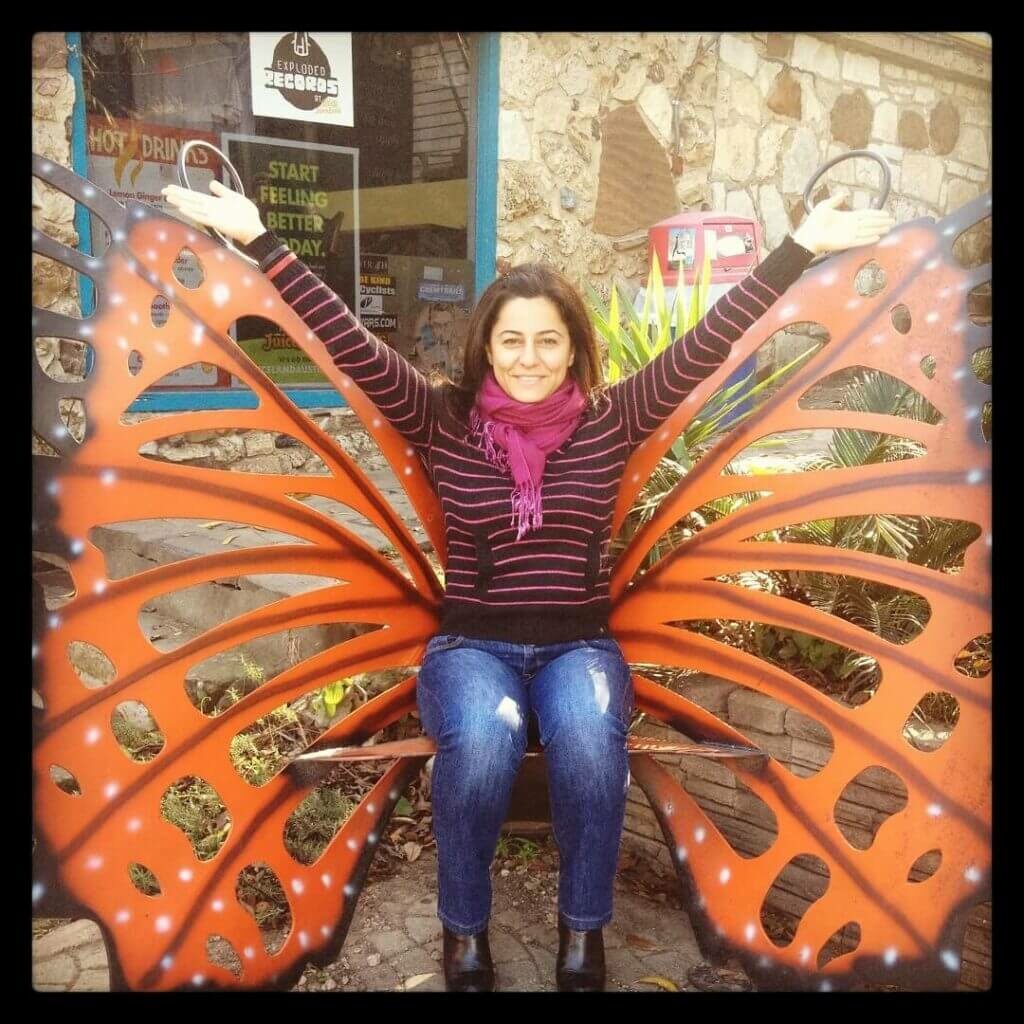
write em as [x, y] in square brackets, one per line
[395, 938]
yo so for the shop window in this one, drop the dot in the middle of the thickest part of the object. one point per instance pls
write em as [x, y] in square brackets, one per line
[367, 182]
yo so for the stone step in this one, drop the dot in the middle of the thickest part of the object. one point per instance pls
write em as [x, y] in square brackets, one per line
[71, 958]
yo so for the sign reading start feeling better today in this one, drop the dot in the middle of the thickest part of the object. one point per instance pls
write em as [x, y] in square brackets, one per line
[307, 195]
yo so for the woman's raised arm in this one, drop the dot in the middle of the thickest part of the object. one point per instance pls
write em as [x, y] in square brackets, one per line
[391, 382]
[648, 397]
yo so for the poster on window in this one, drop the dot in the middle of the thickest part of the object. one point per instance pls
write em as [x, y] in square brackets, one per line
[307, 195]
[133, 160]
[420, 305]
[302, 76]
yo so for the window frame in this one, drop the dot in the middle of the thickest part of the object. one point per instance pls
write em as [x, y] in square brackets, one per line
[482, 172]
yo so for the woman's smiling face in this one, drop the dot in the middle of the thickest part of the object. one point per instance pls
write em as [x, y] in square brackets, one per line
[530, 350]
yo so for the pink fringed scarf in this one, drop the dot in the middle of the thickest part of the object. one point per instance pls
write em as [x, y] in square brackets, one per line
[518, 437]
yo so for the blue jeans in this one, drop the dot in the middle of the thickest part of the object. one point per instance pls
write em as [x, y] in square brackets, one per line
[475, 698]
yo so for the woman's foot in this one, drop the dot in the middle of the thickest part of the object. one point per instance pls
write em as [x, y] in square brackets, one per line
[580, 963]
[467, 963]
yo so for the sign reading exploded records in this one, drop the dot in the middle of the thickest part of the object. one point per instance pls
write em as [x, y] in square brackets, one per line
[302, 76]
[306, 193]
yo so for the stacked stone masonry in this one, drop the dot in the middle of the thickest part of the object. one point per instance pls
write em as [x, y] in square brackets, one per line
[54, 286]
[260, 451]
[759, 114]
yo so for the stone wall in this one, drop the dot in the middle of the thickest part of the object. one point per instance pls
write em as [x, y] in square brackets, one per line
[558, 94]
[758, 114]
[54, 286]
[262, 451]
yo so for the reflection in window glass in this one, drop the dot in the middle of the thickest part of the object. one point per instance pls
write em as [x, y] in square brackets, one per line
[406, 269]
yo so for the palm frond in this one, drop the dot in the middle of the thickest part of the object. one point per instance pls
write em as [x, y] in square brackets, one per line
[942, 543]
[815, 531]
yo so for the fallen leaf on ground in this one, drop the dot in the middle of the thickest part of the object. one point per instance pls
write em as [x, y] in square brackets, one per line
[412, 851]
[668, 986]
[639, 942]
[212, 523]
[708, 978]
[229, 538]
[417, 979]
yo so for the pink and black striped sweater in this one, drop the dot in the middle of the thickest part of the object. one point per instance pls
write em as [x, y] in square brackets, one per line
[551, 586]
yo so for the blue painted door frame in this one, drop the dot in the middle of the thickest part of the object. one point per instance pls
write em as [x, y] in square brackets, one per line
[485, 211]
[487, 98]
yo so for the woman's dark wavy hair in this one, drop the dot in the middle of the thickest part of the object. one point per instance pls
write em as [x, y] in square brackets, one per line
[527, 281]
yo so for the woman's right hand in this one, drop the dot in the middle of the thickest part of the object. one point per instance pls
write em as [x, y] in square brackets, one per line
[225, 211]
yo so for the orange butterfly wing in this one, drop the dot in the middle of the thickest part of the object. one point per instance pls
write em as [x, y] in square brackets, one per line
[911, 934]
[159, 942]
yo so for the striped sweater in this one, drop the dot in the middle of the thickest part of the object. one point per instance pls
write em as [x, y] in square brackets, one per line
[551, 586]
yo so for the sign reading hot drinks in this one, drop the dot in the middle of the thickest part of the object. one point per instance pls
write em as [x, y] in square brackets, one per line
[302, 76]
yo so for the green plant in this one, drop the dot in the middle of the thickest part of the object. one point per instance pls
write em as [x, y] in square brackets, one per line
[327, 700]
[888, 612]
[631, 346]
[516, 848]
[139, 744]
[143, 879]
[632, 341]
[194, 806]
[315, 822]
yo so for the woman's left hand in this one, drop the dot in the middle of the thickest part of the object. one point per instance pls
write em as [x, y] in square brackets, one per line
[827, 229]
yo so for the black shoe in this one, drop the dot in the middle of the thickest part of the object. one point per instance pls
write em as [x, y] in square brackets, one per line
[467, 963]
[580, 963]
